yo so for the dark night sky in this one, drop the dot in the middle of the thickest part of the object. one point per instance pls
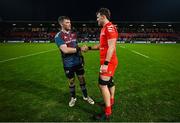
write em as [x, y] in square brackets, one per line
[84, 10]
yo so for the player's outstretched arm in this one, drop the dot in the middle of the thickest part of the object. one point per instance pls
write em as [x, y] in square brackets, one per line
[84, 48]
[95, 47]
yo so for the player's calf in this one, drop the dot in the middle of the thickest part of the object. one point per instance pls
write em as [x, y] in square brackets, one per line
[84, 90]
[103, 84]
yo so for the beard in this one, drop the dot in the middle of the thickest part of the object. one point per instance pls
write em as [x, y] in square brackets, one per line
[67, 29]
[100, 24]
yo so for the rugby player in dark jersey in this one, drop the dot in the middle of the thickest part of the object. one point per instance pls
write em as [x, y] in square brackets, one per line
[72, 59]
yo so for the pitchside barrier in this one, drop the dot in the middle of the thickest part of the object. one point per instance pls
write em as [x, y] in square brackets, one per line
[119, 41]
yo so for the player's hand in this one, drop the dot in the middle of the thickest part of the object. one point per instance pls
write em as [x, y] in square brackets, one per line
[84, 48]
[104, 69]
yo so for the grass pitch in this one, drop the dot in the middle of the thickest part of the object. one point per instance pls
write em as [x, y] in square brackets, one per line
[33, 86]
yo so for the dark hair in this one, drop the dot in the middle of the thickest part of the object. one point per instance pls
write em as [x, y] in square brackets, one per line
[62, 18]
[104, 11]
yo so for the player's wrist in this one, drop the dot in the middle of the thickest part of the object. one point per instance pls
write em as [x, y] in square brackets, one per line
[89, 48]
[106, 62]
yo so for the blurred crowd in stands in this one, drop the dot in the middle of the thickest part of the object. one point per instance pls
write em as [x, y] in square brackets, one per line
[87, 33]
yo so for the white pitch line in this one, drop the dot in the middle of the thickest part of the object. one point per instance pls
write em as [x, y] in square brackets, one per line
[139, 54]
[20, 57]
[136, 52]
[122, 46]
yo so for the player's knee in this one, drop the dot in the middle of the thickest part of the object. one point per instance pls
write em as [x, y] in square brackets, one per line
[81, 79]
[71, 82]
[111, 83]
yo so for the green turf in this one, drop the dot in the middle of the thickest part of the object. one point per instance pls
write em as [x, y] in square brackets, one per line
[34, 88]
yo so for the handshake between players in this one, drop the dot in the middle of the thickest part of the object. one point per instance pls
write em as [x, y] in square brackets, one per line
[73, 60]
[86, 48]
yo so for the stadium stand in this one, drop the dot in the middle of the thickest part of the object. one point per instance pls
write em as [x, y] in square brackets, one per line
[129, 32]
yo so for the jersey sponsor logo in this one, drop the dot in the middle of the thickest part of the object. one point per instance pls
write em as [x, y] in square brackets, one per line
[65, 37]
[69, 41]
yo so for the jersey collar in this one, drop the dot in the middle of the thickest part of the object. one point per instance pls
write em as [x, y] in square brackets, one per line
[107, 24]
[66, 32]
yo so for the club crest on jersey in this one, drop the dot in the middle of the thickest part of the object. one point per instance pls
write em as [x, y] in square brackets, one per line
[110, 28]
[72, 35]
